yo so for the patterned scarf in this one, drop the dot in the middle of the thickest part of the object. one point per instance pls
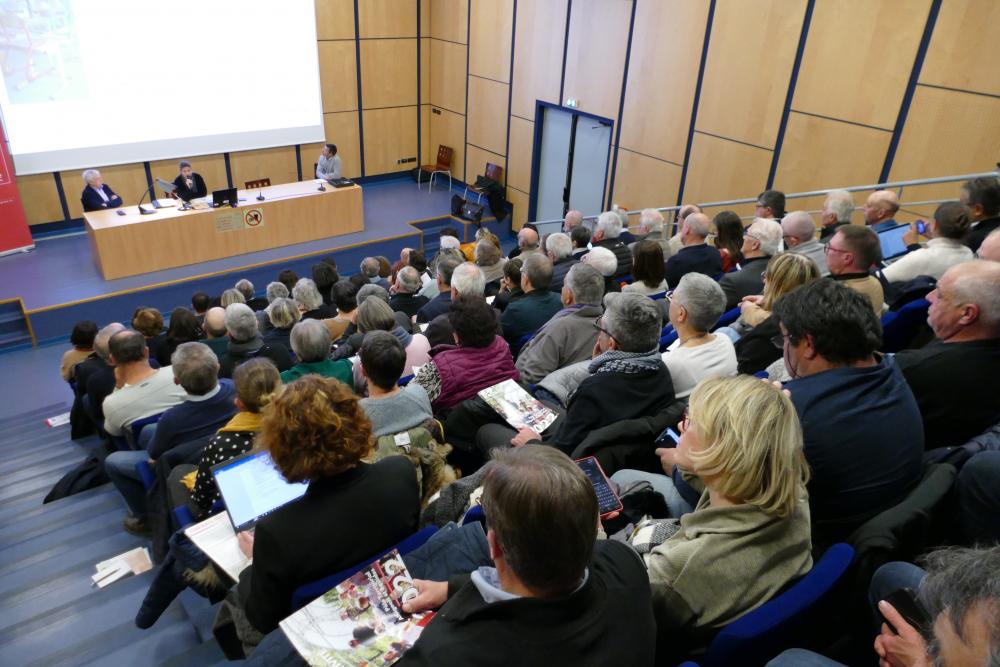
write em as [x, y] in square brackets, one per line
[616, 361]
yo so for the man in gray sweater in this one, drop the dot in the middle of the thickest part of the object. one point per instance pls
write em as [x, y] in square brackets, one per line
[391, 408]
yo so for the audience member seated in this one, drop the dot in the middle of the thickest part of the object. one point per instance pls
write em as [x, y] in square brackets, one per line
[648, 269]
[981, 196]
[183, 328]
[391, 408]
[143, 392]
[606, 233]
[245, 287]
[246, 343]
[95, 380]
[310, 301]
[570, 335]
[282, 315]
[606, 264]
[626, 237]
[449, 248]
[439, 304]
[256, 382]
[288, 278]
[748, 538]
[527, 315]
[695, 307]
[651, 229]
[559, 249]
[696, 255]
[510, 284]
[676, 243]
[527, 242]
[978, 496]
[770, 205]
[862, 428]
[466, 280]
[572, 220]
[580, 237]
[376, 315]
[838, 207]
[799, 233]
[149, 322]
[953, 377]
[231, 296]
[324, 275]
[480, 359]
[311, 344]
[850, 255]
[729, 239]
[944, 248]
[489, 259]
[880, 207]
[200, 303]
[761, 241]
[216, 336]
[275, 291]
[554, 594]
[405, 298]
[96, 195]
[82, 340]
[345, 299]
[370, 270]
[316, 432]
[626, 379]
[990, 248]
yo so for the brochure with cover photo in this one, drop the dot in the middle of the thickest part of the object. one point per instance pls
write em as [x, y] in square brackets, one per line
[517, 406]
[361, 621]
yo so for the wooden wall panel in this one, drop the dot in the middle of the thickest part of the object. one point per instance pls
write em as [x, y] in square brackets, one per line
[750, 58]
[278, 164]
[663, 72]
[476, 159]
[388, 73]
[871, 69]
[425, 18]
[211, 167]
[342, 130]
[448, 129]
[594, 73]
[450, 20]
[522, 138]
[946, 132]
[448, 75]
[425, 71]
[387, 18]
[334, 19]
[643, 182]
[41, 199]
[824, 154]
[488, 114]
[962, 52]
[428, 149]
[490, 25]
[721, 169]
[309, 156]
[390, 135]
[127, 180]
[537, 54]
[520, 202]
[338, 76]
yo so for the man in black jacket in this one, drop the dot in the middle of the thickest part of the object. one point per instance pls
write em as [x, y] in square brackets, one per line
[245, 342]
[761, 241]
[190, 185]
[606, 235]
[696, 255]
[982, 197]
[554, 595]
[405, 299]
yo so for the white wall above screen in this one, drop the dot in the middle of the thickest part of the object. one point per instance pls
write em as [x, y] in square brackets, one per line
[123, 81]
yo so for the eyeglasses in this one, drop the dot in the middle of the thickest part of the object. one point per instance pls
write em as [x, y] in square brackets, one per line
[779, 340]
[597, 325]
[828, 248]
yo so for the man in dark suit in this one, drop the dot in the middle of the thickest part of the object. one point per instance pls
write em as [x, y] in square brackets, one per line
[527, 315]
[96, 195]
[696, 255]
[606, 235]
[190, 185]
[559, 248]
[406, 300]
[982, 197]
[760, 242]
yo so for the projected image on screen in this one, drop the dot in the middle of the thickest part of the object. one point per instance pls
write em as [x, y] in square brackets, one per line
[90, 83]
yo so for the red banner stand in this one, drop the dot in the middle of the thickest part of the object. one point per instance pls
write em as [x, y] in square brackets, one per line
[14, 233]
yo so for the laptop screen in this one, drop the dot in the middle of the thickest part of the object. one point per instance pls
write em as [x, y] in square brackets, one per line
[252, 487]
[892, 241]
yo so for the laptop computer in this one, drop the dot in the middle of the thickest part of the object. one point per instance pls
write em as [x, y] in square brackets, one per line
[251, 487]
[223, 197]
[892, 242]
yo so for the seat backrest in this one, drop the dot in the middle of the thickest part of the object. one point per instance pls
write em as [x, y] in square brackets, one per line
[667, 337]
[727, 318]
[494, 171]
[139, 424]
[444, 157]
[258, 183]
[763, 633]
[900, 327]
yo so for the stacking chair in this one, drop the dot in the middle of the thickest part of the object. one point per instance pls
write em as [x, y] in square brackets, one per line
[442, 166]
[258, 183]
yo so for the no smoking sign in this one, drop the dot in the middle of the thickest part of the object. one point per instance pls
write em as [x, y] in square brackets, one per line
[253, 218]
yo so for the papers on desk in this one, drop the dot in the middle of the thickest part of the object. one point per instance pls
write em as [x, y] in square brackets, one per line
[135, 561]
[216, 537]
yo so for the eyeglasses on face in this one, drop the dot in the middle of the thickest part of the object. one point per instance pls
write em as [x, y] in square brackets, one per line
[779, 340]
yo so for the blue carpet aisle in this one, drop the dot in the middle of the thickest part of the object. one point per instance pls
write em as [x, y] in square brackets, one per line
[49, 612]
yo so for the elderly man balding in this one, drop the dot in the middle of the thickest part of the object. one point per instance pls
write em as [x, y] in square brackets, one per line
[651, 229]
[880, 209]
[954, 377]
[675, 241]
[696, 255]
[573, 219]
[528, 242]
[990, 248]
[799, 232]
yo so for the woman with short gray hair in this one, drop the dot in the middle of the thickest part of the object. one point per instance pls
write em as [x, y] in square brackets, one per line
[310, 300]
[282, 315]
[96, 195]
[376, 315]
[310, 341]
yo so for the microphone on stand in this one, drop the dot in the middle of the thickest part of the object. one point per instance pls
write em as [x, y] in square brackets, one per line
[145, 211]
[260, 195]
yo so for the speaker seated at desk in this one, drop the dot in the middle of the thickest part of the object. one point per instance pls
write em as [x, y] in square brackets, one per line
[190, 185]
[96, 195]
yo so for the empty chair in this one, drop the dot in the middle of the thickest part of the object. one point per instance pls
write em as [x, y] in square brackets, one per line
[442, 166]
[257, 184]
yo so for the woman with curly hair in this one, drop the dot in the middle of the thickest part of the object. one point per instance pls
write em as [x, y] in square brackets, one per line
[316, 432]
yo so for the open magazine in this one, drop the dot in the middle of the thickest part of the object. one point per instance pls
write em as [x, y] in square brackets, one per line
[361, 621]
[517, 406]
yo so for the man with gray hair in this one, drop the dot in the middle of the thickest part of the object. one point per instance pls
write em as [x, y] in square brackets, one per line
[370, 268]
[651, 228]
[528, 241]
[606, 263]
[467, 280]
[526, 315]
[310, 342]
[954, 377]
[573, 219]
[570, 335]
[838, 207]
[625, 379]
[606, 235]
[675, 240]
[406, 300]
[245, 287]
[990, 247]
[559, 249]
[216, 336]
[310, 301]
[96, 195]
[799, 232]
[761, 241]
[696, 255]
[245, 342]
[440, 304]
[275, 290]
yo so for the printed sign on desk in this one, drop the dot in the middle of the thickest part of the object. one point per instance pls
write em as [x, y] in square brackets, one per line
[228, 221]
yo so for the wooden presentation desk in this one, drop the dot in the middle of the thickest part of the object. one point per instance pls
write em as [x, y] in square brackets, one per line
[130, 244]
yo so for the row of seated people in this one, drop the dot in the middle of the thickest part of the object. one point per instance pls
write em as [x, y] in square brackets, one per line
[829, 336]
